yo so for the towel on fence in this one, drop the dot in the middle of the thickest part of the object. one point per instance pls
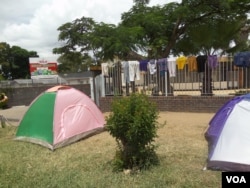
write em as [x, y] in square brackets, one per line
[152, 66]
[181, 61]
[134, 70]
[105, 69]
[125, 68]
[201, 62]
[162, 65]
[212, 61]
[242, 59]
[192, 63]
[171, 64]
[143, 65]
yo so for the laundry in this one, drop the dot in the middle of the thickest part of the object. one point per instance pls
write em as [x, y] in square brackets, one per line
[144, 65]
[162, 64]
[201, 61]
[125, 68]
[212, 61]
[105, 69]
[181, 61]
[134, 70]
[192, 63]
[152, 66]
[242, 59]
[171, 67]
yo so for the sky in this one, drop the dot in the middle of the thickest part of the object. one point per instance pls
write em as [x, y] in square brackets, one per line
[32, 25]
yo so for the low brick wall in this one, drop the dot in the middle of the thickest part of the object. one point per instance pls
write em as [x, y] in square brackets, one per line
[208, 104]
[25, 95]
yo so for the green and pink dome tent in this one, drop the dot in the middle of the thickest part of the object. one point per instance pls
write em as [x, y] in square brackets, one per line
[60, 116]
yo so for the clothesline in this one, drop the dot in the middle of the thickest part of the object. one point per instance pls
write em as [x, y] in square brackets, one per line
[132, 69]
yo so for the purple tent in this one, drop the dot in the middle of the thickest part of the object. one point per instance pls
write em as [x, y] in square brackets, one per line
[228, 136]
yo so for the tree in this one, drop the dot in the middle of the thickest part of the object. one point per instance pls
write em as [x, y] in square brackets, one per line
[159, 31]
[115, 41]
[104, 41]
[15, 61]
[74, 62]
[218, 25]
[141, 1]
[170, 25]
[4, 56]
[19, 62]
[155, 24]
[78, 44]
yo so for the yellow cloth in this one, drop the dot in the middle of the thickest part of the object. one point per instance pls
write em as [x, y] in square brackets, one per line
[181, 61]
[192, 63]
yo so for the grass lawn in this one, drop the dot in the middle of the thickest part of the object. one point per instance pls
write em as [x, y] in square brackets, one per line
[182, 151]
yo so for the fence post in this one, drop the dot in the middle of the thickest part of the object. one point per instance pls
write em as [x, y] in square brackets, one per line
[169, 88]
[92, 92]
[207, 82]
[166, 81]
[102, 85]
[2, 121]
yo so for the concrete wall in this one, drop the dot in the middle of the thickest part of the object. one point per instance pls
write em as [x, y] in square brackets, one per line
[25, 95]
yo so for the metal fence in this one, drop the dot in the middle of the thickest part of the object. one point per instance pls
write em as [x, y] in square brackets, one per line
[224, 79]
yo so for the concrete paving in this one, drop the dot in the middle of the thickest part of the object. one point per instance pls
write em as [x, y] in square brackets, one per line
[13, 115]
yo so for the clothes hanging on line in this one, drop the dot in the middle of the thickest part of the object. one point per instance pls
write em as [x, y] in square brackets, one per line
[242, 59]
[162, 65]
[201, 62]
[152, 66]
[125, 68]
[105, 69]
[181, 62]
[192, 63]
[171, 66]
[134, 70]
[212, 61]
[144, 65]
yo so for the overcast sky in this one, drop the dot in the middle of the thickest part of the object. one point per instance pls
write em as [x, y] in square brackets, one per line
[32, 25]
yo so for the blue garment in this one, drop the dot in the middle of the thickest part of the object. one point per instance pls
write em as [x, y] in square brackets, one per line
[242, 59]
[143, 65]
[162, 65]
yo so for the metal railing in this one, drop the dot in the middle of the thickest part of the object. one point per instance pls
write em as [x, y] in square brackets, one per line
[224, 79]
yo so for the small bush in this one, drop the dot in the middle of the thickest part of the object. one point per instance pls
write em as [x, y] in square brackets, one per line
[133, 123]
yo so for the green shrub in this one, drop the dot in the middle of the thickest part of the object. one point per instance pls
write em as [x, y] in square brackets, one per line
[133, 123]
